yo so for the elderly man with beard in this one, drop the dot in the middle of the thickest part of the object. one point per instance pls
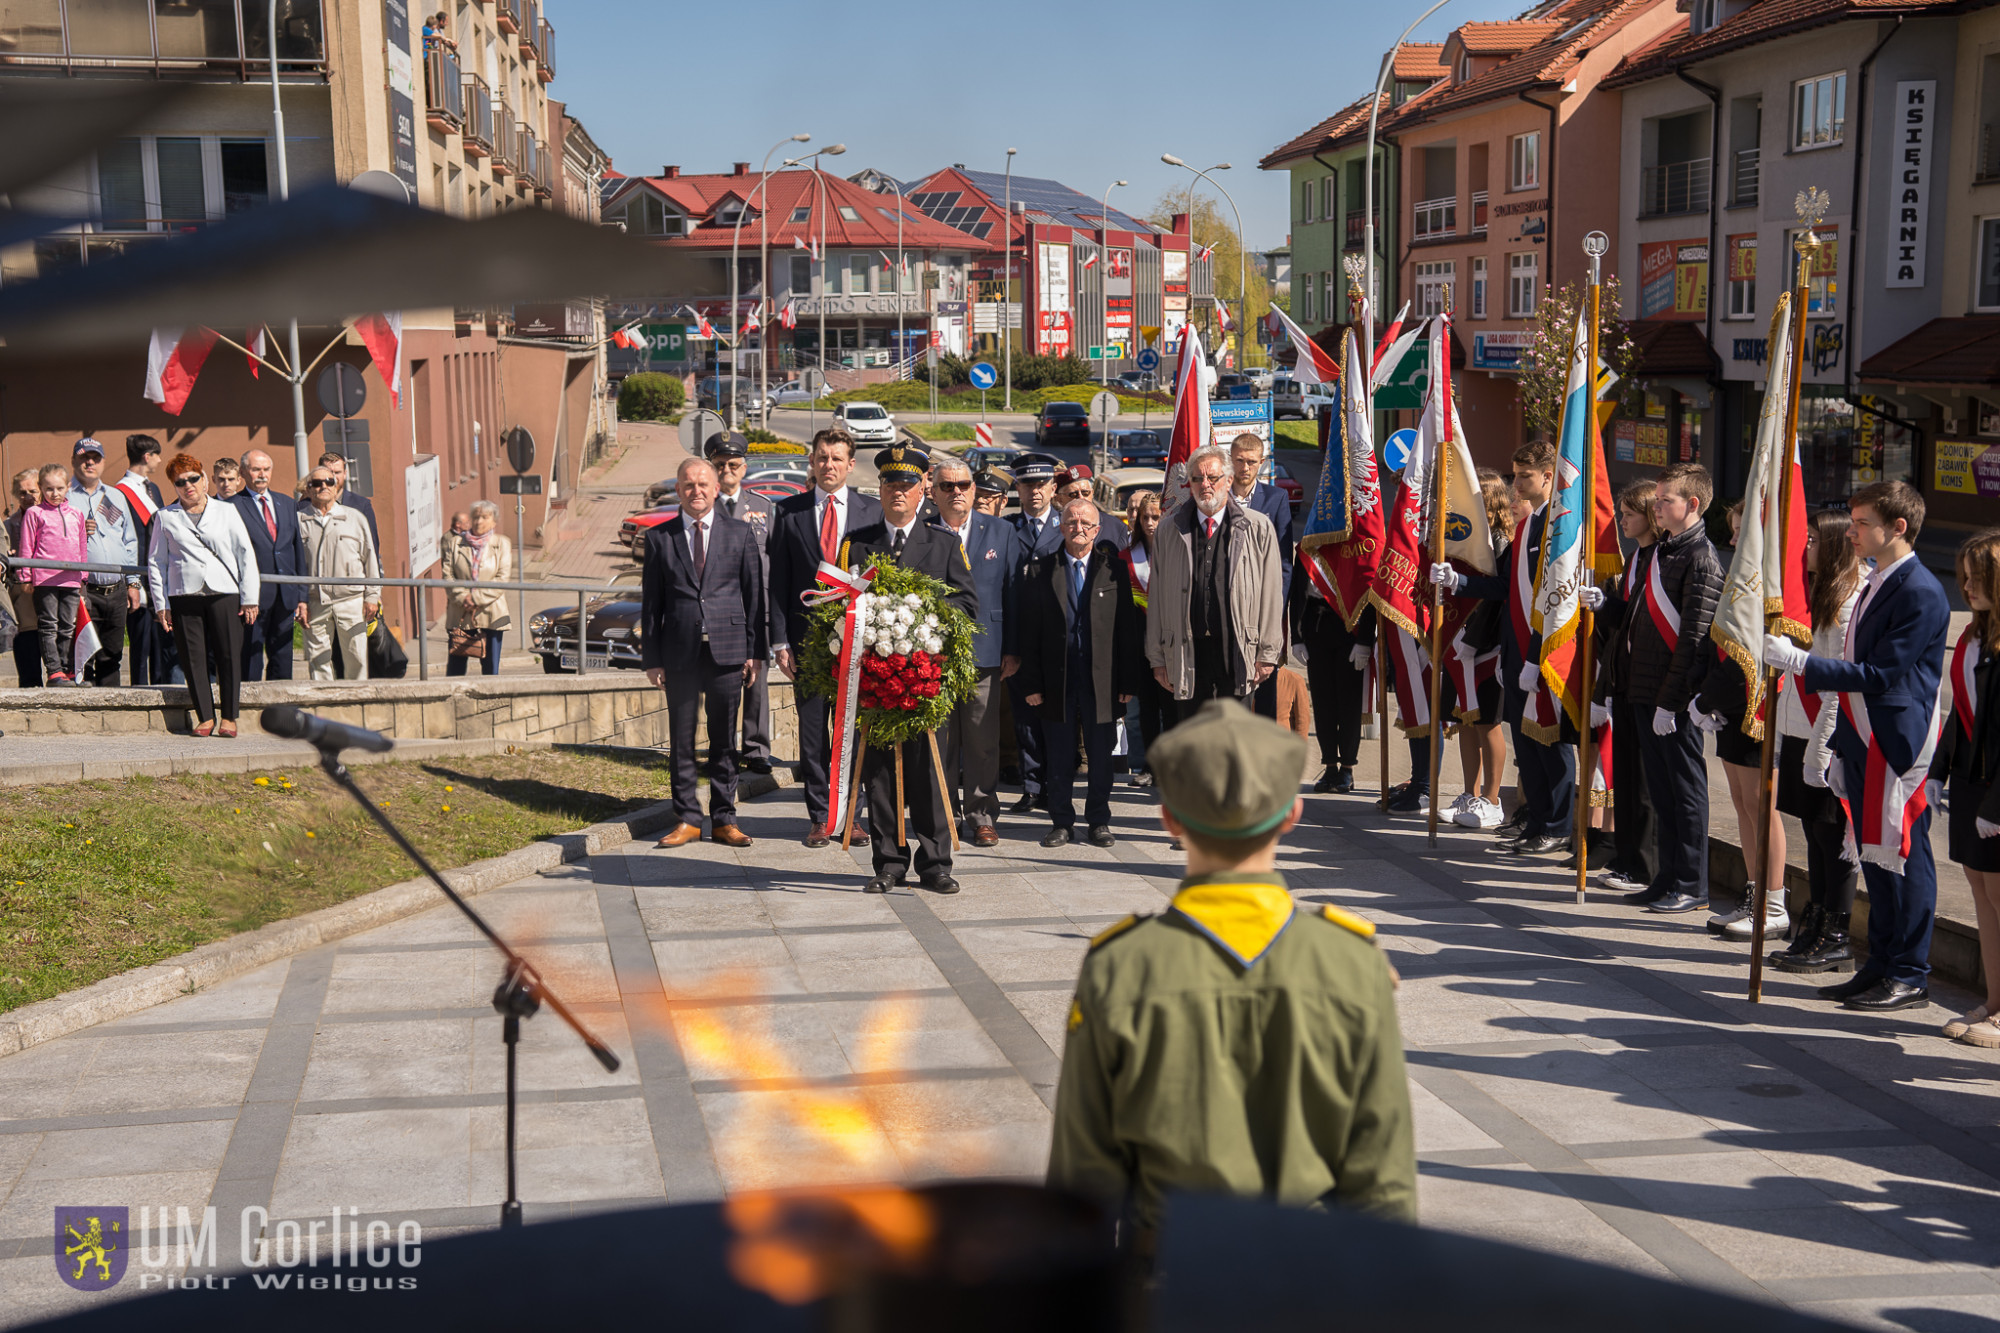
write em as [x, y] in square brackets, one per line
[1215, 624]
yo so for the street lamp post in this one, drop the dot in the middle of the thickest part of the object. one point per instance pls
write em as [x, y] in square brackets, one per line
[1007, 289]
[819, 202]
[1368, 181]
[764, 285]
[902, 349]
[735, 239]
[300, 448]
[1242, 246]
[1104, 285]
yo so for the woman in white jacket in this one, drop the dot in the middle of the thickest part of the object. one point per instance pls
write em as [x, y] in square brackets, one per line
[202, 573]
[1820, 942]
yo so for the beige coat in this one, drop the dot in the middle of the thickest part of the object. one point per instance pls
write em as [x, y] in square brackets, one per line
[1256, 596]
[339, 545]
[488, 609]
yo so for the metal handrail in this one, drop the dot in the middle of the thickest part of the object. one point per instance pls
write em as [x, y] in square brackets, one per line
[1748, 171]
[1435, 217]
[583, 592]
[444, 85]
[1674, 187]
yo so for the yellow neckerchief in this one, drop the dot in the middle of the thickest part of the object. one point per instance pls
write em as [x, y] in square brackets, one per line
[1242, 913]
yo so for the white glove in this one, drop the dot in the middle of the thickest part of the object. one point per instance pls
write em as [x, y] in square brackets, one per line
[1987, 828]
[1708, 722]
[1299, 653]
[1934, 793]
[1782, 654]
[1531, 675]
[1358, 655]
[1444, 576]
[1664, 723]
[1590, 595]
[1815, 777]
[1599, 716]
[1836, 781]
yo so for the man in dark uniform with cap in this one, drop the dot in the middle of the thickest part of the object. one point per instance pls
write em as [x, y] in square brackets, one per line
[990, 487]
[916, 545]
[1040, 528]
[729, 456]
[1236, 1042]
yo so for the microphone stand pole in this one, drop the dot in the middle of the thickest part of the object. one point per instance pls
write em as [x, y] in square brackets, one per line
[521, 992]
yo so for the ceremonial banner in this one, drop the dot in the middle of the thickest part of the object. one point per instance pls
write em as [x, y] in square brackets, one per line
[1191, 386]
[1344, 531]
[1765, 590]
[1556, 611]
[1467, 537]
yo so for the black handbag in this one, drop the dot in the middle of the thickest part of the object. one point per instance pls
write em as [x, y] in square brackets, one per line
[386, 658]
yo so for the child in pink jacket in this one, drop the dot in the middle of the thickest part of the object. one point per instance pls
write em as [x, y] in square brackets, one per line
[52, 530]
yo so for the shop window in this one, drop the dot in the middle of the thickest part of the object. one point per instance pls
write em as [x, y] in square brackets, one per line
[1843, 447]
[1986, 416]
[1819, 111]
[1822, 284]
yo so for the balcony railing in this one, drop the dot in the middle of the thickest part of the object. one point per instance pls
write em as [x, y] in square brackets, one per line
[531, 27]
[506, 147]
[507, 14]
[1435, 218]
[478, 118]
[444, 90]
[189, 37]
[1479, 212]
[531, 154]
[1674, 187]
[1357, 228]
[1748, 173]
[546, 44]
[545, 171]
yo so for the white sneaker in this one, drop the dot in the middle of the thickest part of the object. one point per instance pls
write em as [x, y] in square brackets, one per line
[1465, 810]
[1776, 921]
[1491, 816]
[1618, 882]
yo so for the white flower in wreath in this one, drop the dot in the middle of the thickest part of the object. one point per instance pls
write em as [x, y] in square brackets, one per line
[933, 645]
[882, 648]
[833, 644]
[912, 601]
[905, 647]
[930, 622]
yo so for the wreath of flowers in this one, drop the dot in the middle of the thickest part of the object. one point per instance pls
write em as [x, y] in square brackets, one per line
[919, 655]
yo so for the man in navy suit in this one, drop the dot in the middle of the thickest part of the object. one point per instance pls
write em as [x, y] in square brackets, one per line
[273, 526]
[703, 592]
[1246, 460]
[1039, 529]
[972, 741]
[1886, 685]
[810, 528]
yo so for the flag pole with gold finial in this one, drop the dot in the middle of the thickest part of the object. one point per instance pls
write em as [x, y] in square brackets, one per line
[1357, 309]
[1594, 245]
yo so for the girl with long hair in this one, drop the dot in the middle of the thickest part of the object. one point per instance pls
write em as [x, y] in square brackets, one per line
[1805, 731]
[1482, 748]
[1968, 763]
[1154, 705]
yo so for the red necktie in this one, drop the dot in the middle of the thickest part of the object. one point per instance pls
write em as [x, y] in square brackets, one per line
[1209, 522]
[829, 533]
[270, 519]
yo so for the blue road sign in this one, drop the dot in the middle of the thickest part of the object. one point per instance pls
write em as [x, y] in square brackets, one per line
[1149, 360]
[1396, 449]
[983, 376]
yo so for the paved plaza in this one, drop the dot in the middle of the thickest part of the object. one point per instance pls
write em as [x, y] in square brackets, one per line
[1587, 1080]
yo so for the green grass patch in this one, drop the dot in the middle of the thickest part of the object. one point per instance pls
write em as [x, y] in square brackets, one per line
[1297, 434]
[943, 430]
[99, 877]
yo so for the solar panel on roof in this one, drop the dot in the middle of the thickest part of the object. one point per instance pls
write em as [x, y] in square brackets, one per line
[981, 230]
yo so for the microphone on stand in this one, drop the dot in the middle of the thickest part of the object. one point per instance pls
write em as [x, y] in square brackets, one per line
[331, 737]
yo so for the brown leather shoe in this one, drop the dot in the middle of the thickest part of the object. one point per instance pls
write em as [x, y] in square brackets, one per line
[986, 836]
[680, 835]
[730, 836]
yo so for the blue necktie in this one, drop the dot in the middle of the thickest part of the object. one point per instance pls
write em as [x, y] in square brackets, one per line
[1076, 583]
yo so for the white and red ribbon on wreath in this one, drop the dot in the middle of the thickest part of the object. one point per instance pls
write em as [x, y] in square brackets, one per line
[836, 584]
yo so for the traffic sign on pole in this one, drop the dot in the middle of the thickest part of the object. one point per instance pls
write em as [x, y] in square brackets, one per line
[1396, 449]
[983, 376]
[1107, 352]
[1149, 360]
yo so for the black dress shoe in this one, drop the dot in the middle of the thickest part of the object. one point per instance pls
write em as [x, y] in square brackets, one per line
[761, 767]
[1887, 995]
[1343, 782]
[1325, 783]
[1101, 836]
[879, 884]
[942, 884]
[817, 839]
[1057, 837]
[1853, 986]
[1539, 845]
[1024, 806]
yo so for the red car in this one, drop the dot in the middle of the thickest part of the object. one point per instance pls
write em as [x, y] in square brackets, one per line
[1289, 484]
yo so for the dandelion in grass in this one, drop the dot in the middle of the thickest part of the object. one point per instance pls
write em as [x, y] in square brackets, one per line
[261, 782]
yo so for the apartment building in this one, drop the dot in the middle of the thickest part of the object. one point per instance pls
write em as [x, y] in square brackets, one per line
[455, 112]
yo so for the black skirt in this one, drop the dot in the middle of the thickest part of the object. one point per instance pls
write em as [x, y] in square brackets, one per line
[1805, 803]
[1967, 847]
[1733, 747]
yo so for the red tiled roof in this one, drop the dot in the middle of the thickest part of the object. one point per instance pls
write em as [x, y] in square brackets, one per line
[1572, 27]
[1323, 135]
[1420, 60]
[1763, 22]
[1506, 38]
[874, 221]
[1962, 349]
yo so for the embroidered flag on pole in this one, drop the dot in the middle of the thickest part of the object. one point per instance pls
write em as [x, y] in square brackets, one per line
[383, 336]
[1344, 531]
[1467, 541]
[173, 360]
[1556, 611]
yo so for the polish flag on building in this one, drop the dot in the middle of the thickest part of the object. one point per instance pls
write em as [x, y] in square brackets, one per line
[383, 336]
[1223, 320]
[1207, 253]
[808, 244]
[788, 318]
[255, 344]
[704, 331]
[629, 338]
[750, 324]
[1090, 260]
[172, 362]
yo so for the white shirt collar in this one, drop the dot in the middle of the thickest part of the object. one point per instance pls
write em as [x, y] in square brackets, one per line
[820, 496]
[906, 529]
[1882, 572]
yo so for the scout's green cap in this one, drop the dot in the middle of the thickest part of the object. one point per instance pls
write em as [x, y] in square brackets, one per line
[1228, 773]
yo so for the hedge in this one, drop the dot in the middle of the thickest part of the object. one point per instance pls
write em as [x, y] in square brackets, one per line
[650, 397]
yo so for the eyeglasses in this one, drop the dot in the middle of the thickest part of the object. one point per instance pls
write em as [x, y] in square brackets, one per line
[187, 480]
[318, 485]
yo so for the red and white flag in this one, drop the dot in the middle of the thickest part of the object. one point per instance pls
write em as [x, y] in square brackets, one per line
[1316, 367]
[629, 338]
[255, 344]
[750, 324]
[704, 331]
[788, 318]
[383, 336]
[1207, 253]
[1191, 428]
[1223, 320]
[1393, 347]
[172, 362]
[1090, 260]
[86, 645]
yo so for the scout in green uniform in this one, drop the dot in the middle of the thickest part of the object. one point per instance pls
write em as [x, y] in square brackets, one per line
[1233, 1043]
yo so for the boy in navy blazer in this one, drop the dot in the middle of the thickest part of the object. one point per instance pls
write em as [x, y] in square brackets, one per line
[1886, 686]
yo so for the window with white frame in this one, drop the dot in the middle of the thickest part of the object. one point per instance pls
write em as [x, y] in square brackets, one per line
[1819, 111]
[1986, 279]
[175, 182]
[1479, 286]
[1306, 306]
[1434, 284]
[1464, 68]
[1305, 201]
[1524, 161]
[1326, 200]
[1524, 284]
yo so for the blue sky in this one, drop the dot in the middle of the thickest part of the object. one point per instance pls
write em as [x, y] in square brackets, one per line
[1089, 92]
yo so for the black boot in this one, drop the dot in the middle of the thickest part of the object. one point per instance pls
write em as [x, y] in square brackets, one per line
[1833, 952]
[1805, 937]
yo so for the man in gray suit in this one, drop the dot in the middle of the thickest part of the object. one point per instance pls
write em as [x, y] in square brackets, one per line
[972, 741]
[704, 613]
[729, 456]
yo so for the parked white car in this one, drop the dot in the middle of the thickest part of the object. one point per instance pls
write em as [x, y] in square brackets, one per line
[1289, 398]
[868, 423]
